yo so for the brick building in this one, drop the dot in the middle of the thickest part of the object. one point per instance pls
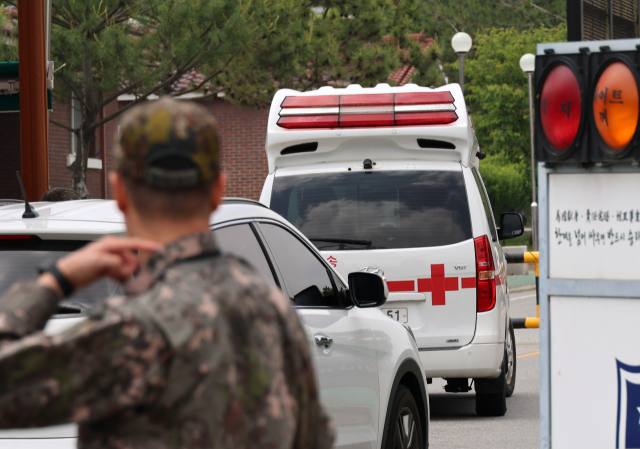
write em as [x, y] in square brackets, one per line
[243, 132]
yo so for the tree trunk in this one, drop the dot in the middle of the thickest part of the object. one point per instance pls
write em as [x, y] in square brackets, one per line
[79, 166]
[87, 129]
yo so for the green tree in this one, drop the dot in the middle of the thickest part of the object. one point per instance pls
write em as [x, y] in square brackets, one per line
[497, 95]
[8, 47]
[443, 18]
[354, 42]
[508, 186]
[244, 49]
[142, 47]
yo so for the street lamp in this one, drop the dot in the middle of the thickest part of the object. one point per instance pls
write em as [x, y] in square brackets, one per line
[528, 66]
[461, 44]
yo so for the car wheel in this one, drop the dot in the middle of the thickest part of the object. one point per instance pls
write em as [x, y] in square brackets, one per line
[404, 429]
[510, 356]
[494, 404]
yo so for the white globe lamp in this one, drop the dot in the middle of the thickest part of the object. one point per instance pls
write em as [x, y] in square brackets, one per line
[528, 63]
[461, 44]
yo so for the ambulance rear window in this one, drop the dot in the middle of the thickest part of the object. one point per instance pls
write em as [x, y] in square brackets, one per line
[376, 210]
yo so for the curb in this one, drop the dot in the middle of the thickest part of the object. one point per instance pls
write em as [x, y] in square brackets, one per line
[522, 289]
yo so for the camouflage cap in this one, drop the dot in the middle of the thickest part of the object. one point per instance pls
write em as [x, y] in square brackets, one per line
[168, 144]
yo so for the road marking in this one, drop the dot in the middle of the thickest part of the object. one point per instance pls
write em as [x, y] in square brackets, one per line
[520, 297]
[528, 355]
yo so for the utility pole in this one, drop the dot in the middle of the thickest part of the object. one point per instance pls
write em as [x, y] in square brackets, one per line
[34, 134]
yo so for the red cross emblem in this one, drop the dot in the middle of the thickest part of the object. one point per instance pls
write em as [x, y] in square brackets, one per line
[437, 285]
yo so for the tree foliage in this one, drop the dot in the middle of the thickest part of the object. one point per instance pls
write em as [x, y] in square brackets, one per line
[443, 18]
[245, 49]
[508, 186]
[497, 95]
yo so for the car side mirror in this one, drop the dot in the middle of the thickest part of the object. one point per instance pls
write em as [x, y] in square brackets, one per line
[511, 226]
[367, 289]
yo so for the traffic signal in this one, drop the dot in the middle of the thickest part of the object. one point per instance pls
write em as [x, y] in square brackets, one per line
[587, 105]
[614, 116]
[561, 110]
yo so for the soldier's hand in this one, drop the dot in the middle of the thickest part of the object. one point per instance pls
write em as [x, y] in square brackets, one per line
[115, 257]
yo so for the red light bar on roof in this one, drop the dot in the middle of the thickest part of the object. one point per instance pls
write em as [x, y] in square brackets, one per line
[311, 102]
[424, 98]
[368, 110]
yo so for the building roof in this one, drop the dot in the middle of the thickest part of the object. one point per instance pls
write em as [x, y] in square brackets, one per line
[403, 75]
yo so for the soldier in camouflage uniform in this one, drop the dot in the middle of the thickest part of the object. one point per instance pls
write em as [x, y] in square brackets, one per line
[201, 353]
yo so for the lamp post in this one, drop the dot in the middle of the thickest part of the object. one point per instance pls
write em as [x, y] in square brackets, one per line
[461, 44]
[528, 66]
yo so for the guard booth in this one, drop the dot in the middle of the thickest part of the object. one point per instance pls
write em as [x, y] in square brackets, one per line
[588, 150]
[10, 86]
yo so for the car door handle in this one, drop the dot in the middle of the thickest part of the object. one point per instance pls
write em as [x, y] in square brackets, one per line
[323, 340]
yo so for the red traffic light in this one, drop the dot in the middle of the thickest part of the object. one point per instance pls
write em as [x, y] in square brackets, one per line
[560, 107]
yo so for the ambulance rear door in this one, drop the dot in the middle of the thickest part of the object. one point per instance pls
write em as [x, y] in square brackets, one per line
[408, 221]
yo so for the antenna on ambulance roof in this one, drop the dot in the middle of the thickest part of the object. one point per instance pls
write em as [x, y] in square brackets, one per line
[29, 212]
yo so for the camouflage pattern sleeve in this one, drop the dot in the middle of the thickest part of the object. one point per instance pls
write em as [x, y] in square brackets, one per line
[98, 368]
[25, 309]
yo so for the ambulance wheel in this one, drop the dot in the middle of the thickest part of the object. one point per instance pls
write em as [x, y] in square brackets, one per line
[494, 403]
[510, 357]
[405, 429]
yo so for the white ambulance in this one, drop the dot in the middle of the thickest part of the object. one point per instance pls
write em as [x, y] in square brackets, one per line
[386, 180]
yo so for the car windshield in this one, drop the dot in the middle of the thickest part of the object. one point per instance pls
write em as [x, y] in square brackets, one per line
[19, 264]
[376, 210]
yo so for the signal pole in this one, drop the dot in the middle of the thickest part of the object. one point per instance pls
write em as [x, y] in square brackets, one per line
[527, 64]
[34, 135]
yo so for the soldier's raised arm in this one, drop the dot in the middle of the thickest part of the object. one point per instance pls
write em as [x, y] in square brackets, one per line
[95, 368]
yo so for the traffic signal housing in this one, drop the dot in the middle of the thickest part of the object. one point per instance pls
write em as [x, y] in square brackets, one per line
[561, 107]
[587, 103]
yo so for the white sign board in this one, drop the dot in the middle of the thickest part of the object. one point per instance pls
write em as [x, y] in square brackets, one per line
[595, 372]
[594, 226]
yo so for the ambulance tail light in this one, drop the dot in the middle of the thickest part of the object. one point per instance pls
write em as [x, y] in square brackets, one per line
[368, 110]
[310, 121]
[14, 238]
[486, 290]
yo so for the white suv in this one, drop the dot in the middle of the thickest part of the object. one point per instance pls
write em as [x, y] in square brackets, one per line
[369, 371]
[386, 180]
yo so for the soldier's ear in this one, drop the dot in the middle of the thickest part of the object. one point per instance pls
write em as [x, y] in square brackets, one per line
[217, 190]
[119, 190]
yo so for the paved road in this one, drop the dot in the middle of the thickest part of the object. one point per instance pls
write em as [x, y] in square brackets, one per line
[454, 423]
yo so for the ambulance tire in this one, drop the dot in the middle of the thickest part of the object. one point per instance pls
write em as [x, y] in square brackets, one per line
[510, 354]
[495, 402]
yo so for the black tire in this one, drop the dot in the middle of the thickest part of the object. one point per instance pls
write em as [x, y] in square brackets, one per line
[404, 429]
[510, 359]
[493, 404]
